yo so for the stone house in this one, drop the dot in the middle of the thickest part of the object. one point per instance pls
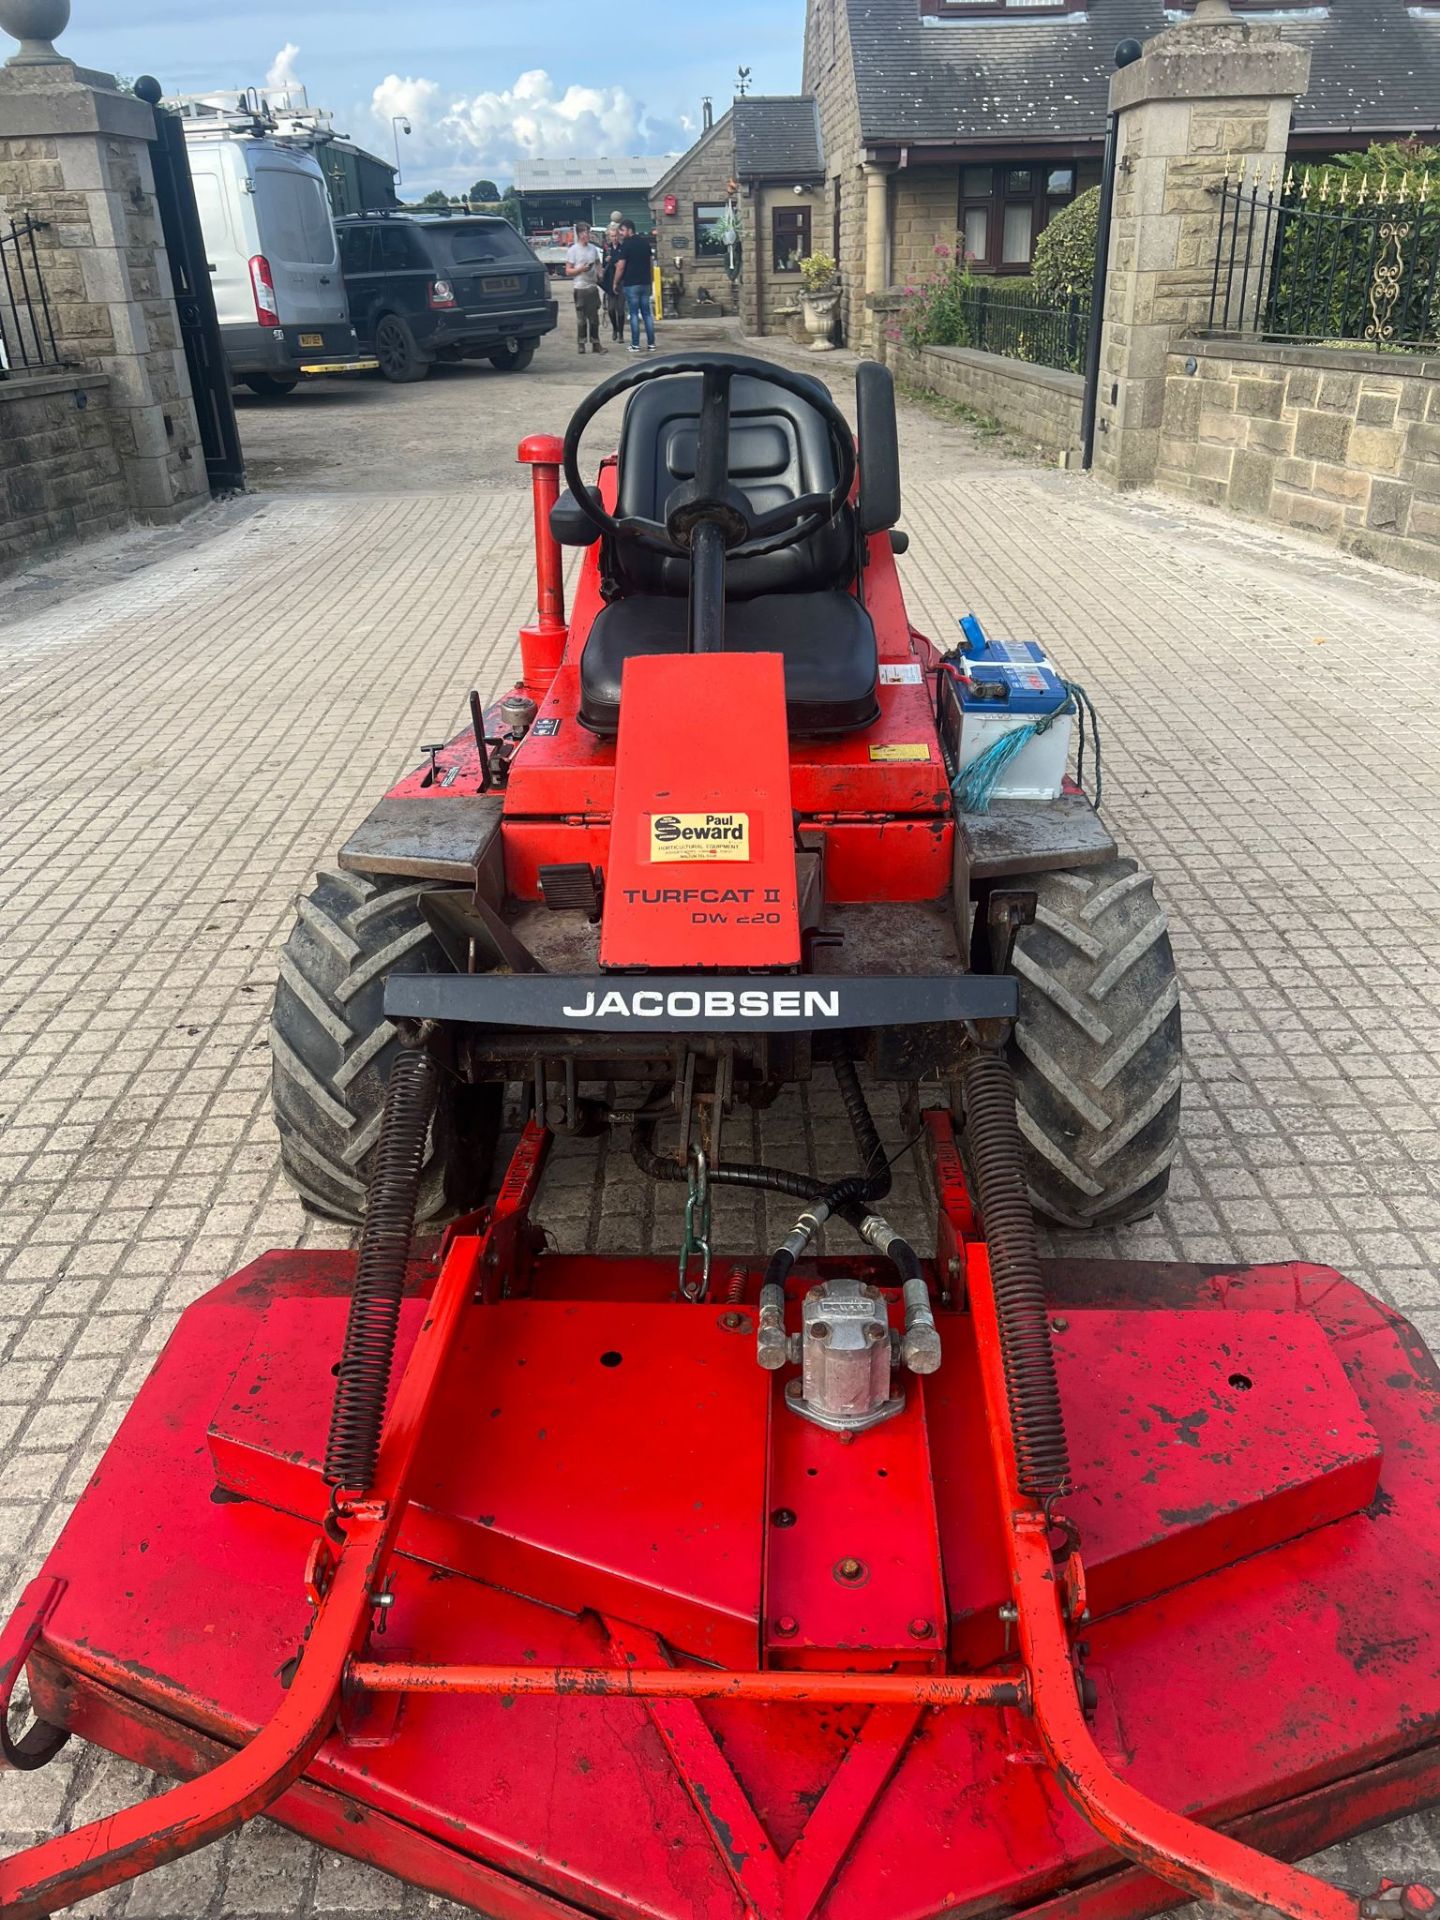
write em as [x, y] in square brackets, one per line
[763, 157]
[686, 206]
[972, 122]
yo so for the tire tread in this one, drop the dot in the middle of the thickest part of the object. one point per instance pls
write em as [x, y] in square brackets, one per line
[1097, 1046]
[331, 1046]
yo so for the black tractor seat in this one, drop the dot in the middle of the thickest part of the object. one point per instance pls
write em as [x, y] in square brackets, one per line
[796, 602]
[826, 640]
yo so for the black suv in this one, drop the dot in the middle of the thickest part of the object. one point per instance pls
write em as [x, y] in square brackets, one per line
[452, 287]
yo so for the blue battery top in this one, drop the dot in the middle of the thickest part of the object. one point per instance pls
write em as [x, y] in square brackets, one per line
[1009, 676]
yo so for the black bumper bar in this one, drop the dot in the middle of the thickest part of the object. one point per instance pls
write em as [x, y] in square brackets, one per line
[681, 1003]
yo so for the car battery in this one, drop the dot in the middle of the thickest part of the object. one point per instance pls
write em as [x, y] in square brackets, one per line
[997, 686]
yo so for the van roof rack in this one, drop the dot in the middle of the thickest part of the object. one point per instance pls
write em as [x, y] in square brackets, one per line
[254, 115]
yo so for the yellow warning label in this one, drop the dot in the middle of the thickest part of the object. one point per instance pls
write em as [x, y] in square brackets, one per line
[905, 751]
[699, 836]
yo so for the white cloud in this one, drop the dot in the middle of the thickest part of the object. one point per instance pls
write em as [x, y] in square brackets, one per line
[456, 139]
[282, 68]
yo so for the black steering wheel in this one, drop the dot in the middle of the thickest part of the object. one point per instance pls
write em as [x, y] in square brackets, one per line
[709, 498]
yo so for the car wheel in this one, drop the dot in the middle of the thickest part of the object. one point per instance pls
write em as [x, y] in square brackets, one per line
[513, 359]
[266, 386]
[400, 359]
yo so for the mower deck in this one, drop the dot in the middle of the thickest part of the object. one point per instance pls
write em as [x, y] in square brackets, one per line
[608, 1481]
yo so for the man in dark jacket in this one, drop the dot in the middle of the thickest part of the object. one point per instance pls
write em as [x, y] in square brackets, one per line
[635, 274]
[614, 298]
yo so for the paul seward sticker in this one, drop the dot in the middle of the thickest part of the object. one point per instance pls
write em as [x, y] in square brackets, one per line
[699, 836]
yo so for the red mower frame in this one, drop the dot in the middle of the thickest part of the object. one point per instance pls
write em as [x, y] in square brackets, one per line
[341, 1672]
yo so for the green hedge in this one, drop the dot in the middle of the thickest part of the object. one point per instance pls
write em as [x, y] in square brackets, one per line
[1064, 262]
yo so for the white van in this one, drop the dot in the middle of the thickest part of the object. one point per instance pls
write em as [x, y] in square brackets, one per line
[273, 257]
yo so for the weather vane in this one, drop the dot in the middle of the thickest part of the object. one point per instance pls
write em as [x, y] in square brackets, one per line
[742, 82]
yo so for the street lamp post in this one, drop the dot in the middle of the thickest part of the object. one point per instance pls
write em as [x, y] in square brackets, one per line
[397, 121]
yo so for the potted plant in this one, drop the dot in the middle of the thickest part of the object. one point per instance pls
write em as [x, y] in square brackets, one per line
[820, 296]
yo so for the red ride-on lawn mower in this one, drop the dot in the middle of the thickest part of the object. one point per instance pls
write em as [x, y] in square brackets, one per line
[863, 1586]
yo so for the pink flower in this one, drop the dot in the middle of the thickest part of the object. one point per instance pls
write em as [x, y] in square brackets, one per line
[942, 252]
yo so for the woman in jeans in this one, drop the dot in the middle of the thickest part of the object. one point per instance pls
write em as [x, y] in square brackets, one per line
[634, 275]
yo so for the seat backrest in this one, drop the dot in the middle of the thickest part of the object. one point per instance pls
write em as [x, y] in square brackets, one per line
[779, 448]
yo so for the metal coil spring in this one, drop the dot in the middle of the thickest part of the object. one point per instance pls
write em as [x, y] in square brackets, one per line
[363, 1376]
[992, 1136]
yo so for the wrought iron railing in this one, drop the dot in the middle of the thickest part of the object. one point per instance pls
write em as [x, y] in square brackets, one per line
[27, 326]
[1021, 328]
[1328, 255]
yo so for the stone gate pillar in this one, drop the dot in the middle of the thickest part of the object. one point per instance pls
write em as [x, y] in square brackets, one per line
[1202, 97]
[74, 154]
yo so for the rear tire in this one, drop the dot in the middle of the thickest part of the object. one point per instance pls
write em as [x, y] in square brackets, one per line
[268, 386]
[1097, 1047]
[400, 358]
[513, 359]
[332, 1048]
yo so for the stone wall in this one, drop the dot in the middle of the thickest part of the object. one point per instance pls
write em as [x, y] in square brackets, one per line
[924, 211]
[1037, 404]
[73, 153]
[1337, 443]
[701, 178]
[60, 475]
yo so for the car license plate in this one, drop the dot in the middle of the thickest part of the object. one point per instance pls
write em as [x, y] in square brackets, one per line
[312, 339]
[502, 283]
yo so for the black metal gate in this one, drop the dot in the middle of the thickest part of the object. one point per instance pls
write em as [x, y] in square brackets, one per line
[194, 298]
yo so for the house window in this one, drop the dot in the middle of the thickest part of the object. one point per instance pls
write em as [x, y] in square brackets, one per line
[977, 233]
[1004, 209]
[961, 9]
[790, 229]
[1017, 233]
[708, 221]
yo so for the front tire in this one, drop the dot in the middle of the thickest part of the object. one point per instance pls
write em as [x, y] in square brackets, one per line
[1097, 1047]
[513, 359]
[400, 358]
[332, 1048]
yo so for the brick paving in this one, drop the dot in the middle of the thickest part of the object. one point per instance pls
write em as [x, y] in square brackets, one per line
[179, 748]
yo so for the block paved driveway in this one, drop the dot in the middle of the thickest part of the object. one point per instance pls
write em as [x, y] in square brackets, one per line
[181, 745]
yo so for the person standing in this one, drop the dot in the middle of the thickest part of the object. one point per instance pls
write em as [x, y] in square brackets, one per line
[582, 270]
[614, 298]
[635, 273]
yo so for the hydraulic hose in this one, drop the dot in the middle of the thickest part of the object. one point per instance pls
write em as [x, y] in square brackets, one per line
[838, 1195]
[992, 1134]
[363, 1376]
[848, 1198]
[862, 1125]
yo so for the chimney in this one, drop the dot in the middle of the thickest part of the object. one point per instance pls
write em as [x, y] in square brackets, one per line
[707, 114]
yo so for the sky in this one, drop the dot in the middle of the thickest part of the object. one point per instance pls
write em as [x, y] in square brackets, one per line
[482, 82]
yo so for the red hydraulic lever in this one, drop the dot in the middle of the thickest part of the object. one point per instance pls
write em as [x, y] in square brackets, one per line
[542, 646]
